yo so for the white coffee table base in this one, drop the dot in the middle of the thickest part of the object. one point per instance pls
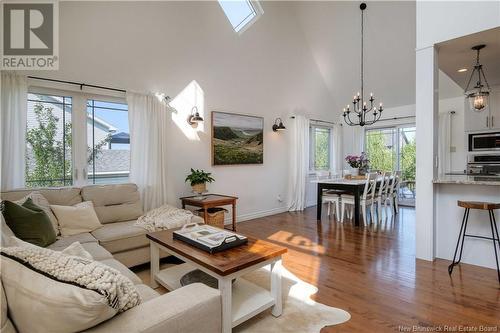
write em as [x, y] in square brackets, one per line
[240, 301]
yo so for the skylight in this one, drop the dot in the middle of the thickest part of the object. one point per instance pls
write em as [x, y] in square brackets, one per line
[241, 13]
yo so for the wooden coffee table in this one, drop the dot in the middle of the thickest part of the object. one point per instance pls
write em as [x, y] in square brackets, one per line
[210, 201]
[241, 300]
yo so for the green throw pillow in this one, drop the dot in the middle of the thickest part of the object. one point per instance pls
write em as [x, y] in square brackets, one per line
[29, 223]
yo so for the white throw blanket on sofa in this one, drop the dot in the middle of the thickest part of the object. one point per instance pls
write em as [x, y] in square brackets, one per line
[164, 217]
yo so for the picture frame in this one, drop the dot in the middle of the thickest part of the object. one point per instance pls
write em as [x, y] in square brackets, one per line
[237, 139]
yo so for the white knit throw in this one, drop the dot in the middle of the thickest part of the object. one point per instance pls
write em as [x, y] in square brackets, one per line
[119, 291]
[164, 217]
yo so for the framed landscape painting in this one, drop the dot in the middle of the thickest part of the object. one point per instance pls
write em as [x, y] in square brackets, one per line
[237, 139]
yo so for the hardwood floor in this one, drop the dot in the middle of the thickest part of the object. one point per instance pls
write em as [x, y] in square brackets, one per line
[372, 273]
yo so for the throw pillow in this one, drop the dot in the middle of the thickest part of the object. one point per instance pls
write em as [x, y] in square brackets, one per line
[76, 219]
[49, 291]
[29, 222]
[75, 249]
[39, 200]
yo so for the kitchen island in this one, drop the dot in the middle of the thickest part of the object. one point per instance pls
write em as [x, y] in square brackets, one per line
[450, 189]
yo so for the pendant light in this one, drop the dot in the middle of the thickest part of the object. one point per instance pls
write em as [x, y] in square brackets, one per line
[362, 113]
[478, 96]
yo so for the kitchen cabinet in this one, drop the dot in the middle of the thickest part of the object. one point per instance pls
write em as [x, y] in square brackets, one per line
[488, 119]
[495, 110]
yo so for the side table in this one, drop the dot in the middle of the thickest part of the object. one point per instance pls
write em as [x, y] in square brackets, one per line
[211, 201]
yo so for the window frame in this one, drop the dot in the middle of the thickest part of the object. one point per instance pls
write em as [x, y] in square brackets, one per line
[312, 144]
[257, 9]
[79, 120]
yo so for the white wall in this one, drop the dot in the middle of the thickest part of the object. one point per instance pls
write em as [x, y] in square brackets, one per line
[437, 22]
[165, 46]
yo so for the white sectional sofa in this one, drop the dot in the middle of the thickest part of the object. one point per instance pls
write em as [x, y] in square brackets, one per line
[194, 308]
[117, 207]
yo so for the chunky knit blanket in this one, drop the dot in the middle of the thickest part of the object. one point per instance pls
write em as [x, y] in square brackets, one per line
[119, 291]
[164, 217]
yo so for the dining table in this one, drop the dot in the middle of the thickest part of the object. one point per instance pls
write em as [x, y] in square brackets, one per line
[352, 186]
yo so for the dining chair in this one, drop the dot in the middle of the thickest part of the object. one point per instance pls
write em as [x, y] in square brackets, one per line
[391, 195]
[381, 191]
[366, 199]
[330, 197]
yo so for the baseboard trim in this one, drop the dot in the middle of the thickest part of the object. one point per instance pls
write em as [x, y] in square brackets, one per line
[255, 215]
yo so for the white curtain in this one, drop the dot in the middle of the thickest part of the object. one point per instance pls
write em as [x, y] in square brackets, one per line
[148, 118]
[299, 163]
[337, 148]
[444, 164]
[13, 111]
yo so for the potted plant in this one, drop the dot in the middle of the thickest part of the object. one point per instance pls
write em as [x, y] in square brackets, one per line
[198, 180]
[358, 163]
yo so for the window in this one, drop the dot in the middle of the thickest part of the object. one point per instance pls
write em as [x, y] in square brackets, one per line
[320, 147]
[242, 13]
[48, 141]
[61, 151]
[108, 139]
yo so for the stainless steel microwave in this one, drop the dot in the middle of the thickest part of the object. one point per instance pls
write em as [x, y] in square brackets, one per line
[484, 141]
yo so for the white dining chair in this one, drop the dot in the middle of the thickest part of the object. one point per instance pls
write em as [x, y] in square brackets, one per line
[391, 195]
[330, 197]
[381, 193]
[365, 200]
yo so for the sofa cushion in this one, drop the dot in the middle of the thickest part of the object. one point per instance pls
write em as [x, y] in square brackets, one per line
[6, 232]
[114, 203]
[76, 219]
[96, 251]
[66, 293]
[39, 200]
[113, 263]
[65, 196]
[5, 323]
[82, 238]
[146, 292]
[121, 236]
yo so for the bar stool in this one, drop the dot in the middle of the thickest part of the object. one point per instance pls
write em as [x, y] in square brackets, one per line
[468, 205]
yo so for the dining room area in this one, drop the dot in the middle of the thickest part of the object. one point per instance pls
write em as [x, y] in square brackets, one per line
[362, 199]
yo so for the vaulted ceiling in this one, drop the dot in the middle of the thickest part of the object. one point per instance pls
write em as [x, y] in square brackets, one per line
[332, 30]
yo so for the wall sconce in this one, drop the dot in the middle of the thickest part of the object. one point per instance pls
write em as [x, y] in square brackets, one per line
[278, 125]
[195, 117]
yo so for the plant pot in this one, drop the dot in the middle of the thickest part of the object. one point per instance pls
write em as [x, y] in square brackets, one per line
[355, 172]
[199, 188]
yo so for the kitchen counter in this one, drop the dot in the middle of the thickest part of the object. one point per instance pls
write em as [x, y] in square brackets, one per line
[464, 179]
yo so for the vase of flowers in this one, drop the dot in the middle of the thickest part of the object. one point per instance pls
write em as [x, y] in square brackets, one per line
[359, 164]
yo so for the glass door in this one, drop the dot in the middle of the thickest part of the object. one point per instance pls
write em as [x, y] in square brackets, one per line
[394, 148]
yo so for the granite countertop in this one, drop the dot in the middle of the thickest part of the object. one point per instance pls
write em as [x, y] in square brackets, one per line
[467, 180]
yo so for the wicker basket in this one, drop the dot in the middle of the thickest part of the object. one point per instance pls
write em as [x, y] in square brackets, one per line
[215, 216]
[199, 188]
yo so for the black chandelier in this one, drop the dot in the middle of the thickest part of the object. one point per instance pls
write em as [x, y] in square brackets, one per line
[360, 108]
[478, 96]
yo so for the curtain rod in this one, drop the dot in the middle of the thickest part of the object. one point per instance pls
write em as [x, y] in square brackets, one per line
[396, 118]
[318, 120]
[77, 84]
